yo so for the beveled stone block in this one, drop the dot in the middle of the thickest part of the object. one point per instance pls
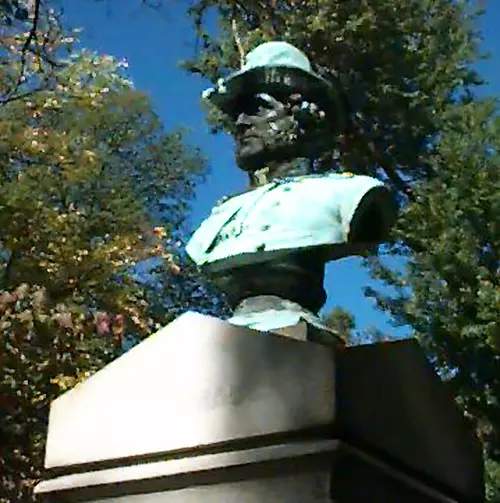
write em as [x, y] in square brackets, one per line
[391, 402]
[204, 411]
[296, 472]
[199, 381]
[300, 471]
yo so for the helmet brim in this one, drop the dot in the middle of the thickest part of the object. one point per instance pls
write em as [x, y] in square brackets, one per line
[277, 81]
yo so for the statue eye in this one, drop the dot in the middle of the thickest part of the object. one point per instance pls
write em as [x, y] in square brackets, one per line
[258, 104]
[253, 105]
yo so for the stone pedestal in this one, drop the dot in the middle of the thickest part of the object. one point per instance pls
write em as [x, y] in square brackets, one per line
[204, 411]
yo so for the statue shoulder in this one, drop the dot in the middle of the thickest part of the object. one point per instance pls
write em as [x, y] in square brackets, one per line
[242, 197]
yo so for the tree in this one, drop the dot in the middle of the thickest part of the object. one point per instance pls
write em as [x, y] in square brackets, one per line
[342, 321]
[344, 324]
[449, 292]
[90, 187]
[404, 78]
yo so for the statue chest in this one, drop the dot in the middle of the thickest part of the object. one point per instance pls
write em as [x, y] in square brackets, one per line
[301, 213]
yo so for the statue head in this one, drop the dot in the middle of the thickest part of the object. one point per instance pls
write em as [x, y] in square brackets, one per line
[280, 109]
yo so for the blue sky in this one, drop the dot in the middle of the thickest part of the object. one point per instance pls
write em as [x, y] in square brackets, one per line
[153, 44]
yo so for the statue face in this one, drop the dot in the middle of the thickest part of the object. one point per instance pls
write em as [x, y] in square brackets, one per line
[265, 130]
[268, 129]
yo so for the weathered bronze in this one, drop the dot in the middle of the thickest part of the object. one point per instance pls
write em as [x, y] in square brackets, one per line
[267, 248]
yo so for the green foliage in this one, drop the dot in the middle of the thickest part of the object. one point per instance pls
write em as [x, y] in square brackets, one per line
[90, 186]
[341, 321]
[80, 165]
[344, 324]
[492, 481]
[13, 10]
[449, 292]
[47, 348]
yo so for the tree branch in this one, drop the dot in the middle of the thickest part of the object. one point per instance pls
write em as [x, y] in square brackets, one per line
[360, 142]
[15, 97]
[7, 272]
[32, 35]
[237, 39]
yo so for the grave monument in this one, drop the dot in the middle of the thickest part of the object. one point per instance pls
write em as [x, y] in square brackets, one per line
[270, 405]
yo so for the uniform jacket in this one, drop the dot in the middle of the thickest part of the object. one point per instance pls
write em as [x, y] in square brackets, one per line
[290, 214]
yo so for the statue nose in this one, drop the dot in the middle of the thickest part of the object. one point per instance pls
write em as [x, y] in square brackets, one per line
[243, 120]
[243, 123]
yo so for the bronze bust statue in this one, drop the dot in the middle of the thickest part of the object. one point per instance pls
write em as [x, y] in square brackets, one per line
[267, 248]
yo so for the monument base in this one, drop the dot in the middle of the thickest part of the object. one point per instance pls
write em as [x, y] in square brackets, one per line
[306, 332]
[298, 472]
[204, 411]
